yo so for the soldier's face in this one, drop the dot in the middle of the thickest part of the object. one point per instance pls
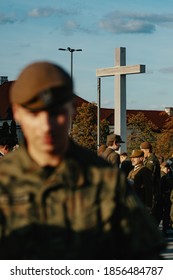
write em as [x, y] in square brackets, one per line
[136, 160]
[44, 130]
[116, 146]
[146, 152]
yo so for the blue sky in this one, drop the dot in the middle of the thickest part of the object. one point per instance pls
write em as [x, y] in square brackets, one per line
[34, 30]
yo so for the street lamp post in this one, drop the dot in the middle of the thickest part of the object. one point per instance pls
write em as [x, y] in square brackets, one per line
[71, 51]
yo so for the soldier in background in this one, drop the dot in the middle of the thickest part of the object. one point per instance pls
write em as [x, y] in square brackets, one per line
[171, 208]
[113, 144]
[125, 163]
[152, 162]
[166, 188]
[6, 145]
[57, 199]
[140, 179]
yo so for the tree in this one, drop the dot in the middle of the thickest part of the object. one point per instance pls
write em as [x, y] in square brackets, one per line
[141, 129]
[84, 130]
[164, 145]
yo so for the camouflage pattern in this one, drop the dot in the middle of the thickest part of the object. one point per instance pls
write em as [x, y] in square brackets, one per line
[82, 209]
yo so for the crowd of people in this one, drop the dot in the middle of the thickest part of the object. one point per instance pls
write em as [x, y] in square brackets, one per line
[149, 177]
[6, 145]
[8, 138]
[59, 200]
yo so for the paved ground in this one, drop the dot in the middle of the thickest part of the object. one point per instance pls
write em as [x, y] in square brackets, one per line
[168, 253]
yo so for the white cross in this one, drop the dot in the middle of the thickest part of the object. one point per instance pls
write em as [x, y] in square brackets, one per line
[120, 70]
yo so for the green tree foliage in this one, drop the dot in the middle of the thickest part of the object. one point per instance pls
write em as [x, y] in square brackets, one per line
[141, 129]
[84, 130]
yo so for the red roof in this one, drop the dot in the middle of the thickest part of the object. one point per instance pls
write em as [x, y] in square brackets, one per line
[4, 100]
[79, 101]
[157, 117]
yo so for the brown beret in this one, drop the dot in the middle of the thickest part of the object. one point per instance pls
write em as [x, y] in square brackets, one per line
[137, 153]
[114, 137]
[42, 85]
[146, 145]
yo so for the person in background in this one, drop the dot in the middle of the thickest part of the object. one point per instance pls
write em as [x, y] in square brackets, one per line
[59, 200]
[16, 147]
[113, 145]
[101, 149]
[170, 175]
[165, 196]
[140, 179]
[125, 163]
[5, 146]
[161, 159]
[151, 161]
[171, 208]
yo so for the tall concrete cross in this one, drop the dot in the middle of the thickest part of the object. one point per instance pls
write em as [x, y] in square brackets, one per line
[120, 70]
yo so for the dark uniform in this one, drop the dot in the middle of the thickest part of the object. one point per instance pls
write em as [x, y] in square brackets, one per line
[171, 208]
[165, 200]
[126, 166]
[81, 209]
[141, 179]
[113, 145]
[111, 156]
[153, 164]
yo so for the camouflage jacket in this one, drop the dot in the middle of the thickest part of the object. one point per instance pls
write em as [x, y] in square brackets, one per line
[82, 209]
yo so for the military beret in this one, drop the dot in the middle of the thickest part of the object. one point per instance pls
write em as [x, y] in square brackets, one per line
[146, 145]
[42, 85]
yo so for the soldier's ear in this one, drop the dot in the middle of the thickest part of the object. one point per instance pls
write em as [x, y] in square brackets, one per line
[6, 147]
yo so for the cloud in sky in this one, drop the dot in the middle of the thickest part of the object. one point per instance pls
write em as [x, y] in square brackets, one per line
[32, 30]
[4, 19]
[116, 22]
[121, 22]
[72, 26]
[39, 12]
[47, 12]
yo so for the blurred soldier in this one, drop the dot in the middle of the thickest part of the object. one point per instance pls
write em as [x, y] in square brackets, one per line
[113, 144]
[125, 163]
[57, 199]
[152, 162]
[141, 179]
